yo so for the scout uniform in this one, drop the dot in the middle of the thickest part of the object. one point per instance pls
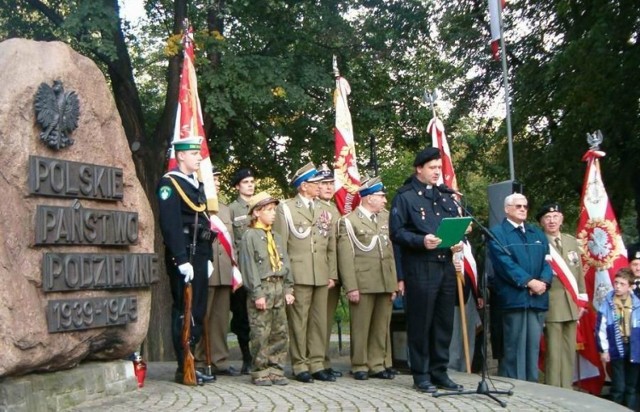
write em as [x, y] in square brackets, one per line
[305, 228]
[366, 264]
[266, 273]
[181, 205]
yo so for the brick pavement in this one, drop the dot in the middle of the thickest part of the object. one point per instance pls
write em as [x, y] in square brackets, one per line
[160, 393]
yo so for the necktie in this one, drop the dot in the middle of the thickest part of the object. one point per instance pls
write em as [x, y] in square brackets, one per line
[311, 208]
[558, 244]
[373, 219]
[521, 228]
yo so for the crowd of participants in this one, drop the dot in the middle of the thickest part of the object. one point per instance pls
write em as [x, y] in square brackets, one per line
[298, 256]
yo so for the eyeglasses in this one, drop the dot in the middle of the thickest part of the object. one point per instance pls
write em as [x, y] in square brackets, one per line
[520, 206]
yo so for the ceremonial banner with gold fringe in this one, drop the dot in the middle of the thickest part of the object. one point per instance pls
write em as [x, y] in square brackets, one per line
[189, 120]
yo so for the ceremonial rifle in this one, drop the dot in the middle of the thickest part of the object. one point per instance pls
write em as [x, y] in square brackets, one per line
[188, 360]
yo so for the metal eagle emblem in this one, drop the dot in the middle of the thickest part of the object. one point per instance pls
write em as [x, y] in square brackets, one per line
[57, 112]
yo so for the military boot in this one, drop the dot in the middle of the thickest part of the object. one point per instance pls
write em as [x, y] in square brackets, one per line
[246, 359]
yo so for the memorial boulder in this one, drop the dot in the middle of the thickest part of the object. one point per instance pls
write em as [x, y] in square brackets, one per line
[76, 228]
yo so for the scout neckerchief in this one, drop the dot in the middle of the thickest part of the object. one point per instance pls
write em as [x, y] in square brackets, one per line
[565, 276]
[623, 314]
[274, 257]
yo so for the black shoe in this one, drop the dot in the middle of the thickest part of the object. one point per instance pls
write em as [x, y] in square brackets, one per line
[447, 384]
[393, 371]
[230, 371]
[334, 372]
[383, 374]
[246, 368]
[304, 377]
[360, 376]
[204, 377]
[425, 386]
[324, 376]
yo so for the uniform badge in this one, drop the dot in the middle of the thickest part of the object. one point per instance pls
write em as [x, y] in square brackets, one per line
[165, 192]
[573, 257]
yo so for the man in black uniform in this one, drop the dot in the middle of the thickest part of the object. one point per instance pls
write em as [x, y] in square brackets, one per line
[429, 283]
[182, 207]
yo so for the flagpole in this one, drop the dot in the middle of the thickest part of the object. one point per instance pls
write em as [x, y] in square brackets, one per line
[505, 77]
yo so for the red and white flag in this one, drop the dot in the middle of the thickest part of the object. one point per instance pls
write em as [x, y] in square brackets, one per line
[603, 254]
[495, 8]
[189, 120]
[347, 178]
[224, 237]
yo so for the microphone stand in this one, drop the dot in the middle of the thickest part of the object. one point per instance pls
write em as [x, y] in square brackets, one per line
[483, 387]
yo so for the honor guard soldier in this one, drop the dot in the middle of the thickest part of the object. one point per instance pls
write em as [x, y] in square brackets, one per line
[327, 190]
[244, 182]
[368, 274]
[567, 298]
[183, 219]
[429, 276]
[306, 230]
[266, 274]
[218, 302]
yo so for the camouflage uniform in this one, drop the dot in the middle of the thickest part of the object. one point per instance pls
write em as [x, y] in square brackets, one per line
[269, 330]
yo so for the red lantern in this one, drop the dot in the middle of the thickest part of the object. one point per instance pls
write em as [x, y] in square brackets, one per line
[140, 369]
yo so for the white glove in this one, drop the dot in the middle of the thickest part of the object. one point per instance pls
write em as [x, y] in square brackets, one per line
[209, 268]
[187, 271]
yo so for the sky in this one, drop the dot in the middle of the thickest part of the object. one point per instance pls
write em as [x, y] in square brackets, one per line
[132, 10]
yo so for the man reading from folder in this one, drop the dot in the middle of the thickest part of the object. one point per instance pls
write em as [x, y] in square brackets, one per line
[429, 275]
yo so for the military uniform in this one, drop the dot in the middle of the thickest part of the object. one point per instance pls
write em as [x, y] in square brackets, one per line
[311, 246]
[177, 218]
[240, 219]
[429, 277]
[366, 264]
[219, 301]
[269, 330]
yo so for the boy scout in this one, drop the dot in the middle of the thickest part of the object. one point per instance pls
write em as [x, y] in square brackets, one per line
[367, 270]
[306, 231]
[266, 274]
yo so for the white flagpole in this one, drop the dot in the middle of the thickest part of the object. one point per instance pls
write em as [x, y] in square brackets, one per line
[505, 76]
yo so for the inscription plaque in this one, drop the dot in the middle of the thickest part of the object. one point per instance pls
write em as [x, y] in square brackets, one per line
[57, 225]
[62, 178]
[78, 314]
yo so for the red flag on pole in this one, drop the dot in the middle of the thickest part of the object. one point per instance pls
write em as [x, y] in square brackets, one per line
[603, 254]
[347, 178]
[189, 120]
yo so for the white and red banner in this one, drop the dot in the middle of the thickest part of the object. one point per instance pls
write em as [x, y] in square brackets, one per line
[346, 168]
[603, 254]
[189, 120]
[495, 13]
[224, 237]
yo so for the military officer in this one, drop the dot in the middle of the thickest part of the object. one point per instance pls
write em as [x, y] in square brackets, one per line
[306, 230]
[429, 282]
[633, 254]
[567, 298]
[244, 183]
[183, 218]
[218, 304]
[327, 190]
[367, 269]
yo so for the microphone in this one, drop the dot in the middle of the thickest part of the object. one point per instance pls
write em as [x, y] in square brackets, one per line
[446, 189]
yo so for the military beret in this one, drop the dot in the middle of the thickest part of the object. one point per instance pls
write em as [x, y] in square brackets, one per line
[426, 155]
[548, 207]
[307, 173]
[371, 186]
[189, 143]
[261, 199]
[240, 175]
[633, 252]
[325, 173]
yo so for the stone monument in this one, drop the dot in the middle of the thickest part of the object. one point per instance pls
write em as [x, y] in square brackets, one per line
[76, 228]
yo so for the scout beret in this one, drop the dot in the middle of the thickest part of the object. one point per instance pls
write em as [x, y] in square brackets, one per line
[633, 252]
[189, 143]
[371, 186]
[307, 173]
[427, 154]
[261, 199]
[240, 175]
[548, 207]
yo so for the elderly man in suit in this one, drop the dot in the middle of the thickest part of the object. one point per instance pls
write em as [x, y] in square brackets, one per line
[567, 298]
[368, 273]
[310, 240]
